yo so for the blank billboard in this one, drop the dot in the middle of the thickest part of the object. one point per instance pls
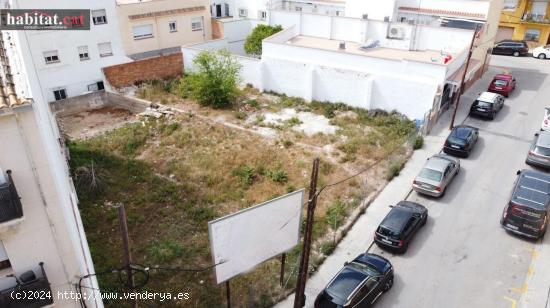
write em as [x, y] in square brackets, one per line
[242, 240]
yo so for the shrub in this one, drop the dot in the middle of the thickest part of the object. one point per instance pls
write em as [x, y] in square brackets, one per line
[418, 142]
[394, 170]
[246, 174]
[241, 115]
[253, 43]
[279, 176]
[293, 121]
[216, 79]
[336, 214]
[328, 247]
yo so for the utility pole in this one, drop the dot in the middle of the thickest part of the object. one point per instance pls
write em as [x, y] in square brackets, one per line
[460, 90]
[126, 246]
[299, 298]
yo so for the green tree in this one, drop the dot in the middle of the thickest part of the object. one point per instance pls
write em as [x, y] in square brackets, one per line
[215, 79]
[253, 43]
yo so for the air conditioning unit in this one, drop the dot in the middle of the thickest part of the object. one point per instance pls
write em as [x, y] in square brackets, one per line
[396, 33]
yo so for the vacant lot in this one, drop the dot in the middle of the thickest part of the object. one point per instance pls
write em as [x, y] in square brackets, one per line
[175, 174]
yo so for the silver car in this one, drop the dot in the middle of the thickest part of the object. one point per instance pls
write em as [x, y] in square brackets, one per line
[539, 153]
[436, 175]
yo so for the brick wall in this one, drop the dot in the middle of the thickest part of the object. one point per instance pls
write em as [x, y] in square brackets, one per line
[153, 68]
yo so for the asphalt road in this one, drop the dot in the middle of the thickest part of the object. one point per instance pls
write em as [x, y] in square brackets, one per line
[463, 258]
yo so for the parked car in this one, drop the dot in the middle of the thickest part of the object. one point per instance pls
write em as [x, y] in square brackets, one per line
[542, 52]
[436, 175]
[359, 284]
[511, 48]
[527, 211]
[461, 140]
[400, 225]
[487, 105]
[546, 120]
[503, 84]
[539, 153]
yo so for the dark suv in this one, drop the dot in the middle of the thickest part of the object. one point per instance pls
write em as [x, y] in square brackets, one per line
[399, 226]
[529, 206]
[359, 284]
[511, 48]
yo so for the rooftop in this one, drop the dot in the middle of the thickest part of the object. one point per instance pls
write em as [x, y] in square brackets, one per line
[6, 103]
[426, 56]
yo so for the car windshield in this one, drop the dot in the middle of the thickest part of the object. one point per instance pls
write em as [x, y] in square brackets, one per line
[484, 104]
[365, 268]
[388, 232]
[500, 83]
[542, 151]
[431, 174]
[456, 140]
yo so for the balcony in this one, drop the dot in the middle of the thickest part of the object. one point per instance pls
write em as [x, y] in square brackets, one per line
[30, 291]
[10, 203]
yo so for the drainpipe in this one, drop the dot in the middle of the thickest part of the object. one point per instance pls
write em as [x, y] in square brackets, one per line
[9, 88]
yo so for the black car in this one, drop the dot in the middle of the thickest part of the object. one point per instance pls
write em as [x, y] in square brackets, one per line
[461, 140]
[528, 210]
[358, 284]
[400, 225]
[487, 105]
[511, 48]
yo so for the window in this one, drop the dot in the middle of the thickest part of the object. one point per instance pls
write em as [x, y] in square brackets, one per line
[298, 9]
[98, 86]
[262, 15]
[143, 31]
[196, 24]
[532, 35]
[339, 13]
[105, 49]
[51, 56]
[243, 13]
[4, 260]
[60, 94]
[99, 17]
[510, 5]
[83, 53]
[172, 26]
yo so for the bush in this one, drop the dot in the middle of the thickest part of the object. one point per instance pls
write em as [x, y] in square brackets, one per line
[216, 79]
[394, 170]
[328, 247]
[246, 174]
[241, 115]
[418, 142]
[335, 215]
[279, 176]
[253, 43]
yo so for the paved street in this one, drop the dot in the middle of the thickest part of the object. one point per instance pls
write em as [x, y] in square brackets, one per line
[463, 258]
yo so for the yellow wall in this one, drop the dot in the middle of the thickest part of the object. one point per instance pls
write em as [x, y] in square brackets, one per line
[162, 37]
[512, 19]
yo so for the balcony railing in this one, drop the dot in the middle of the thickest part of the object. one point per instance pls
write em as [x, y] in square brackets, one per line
[30, 291]
[10, 203]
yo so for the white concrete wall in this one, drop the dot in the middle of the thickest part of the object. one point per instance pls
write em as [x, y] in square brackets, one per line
[336, 85]
[70, 72]
[305, 6]
[375, 9]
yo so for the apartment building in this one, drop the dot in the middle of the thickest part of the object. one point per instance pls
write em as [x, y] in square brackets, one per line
[69, 63]
[43, 247]
[149, 26]
[525, 20]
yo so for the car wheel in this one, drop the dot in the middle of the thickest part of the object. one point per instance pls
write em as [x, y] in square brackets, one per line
[493, 115]
[515, 54]
[542, 56]
[424, 221]
[389, 284]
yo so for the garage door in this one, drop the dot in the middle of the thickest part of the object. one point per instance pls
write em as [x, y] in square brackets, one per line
[504, 33]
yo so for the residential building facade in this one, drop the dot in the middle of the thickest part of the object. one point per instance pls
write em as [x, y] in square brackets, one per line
[68, 63]
[43, 247]
[525, 20]
[153, 25]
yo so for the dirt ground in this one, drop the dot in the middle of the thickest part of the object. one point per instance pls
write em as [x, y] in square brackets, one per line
[90, 123]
